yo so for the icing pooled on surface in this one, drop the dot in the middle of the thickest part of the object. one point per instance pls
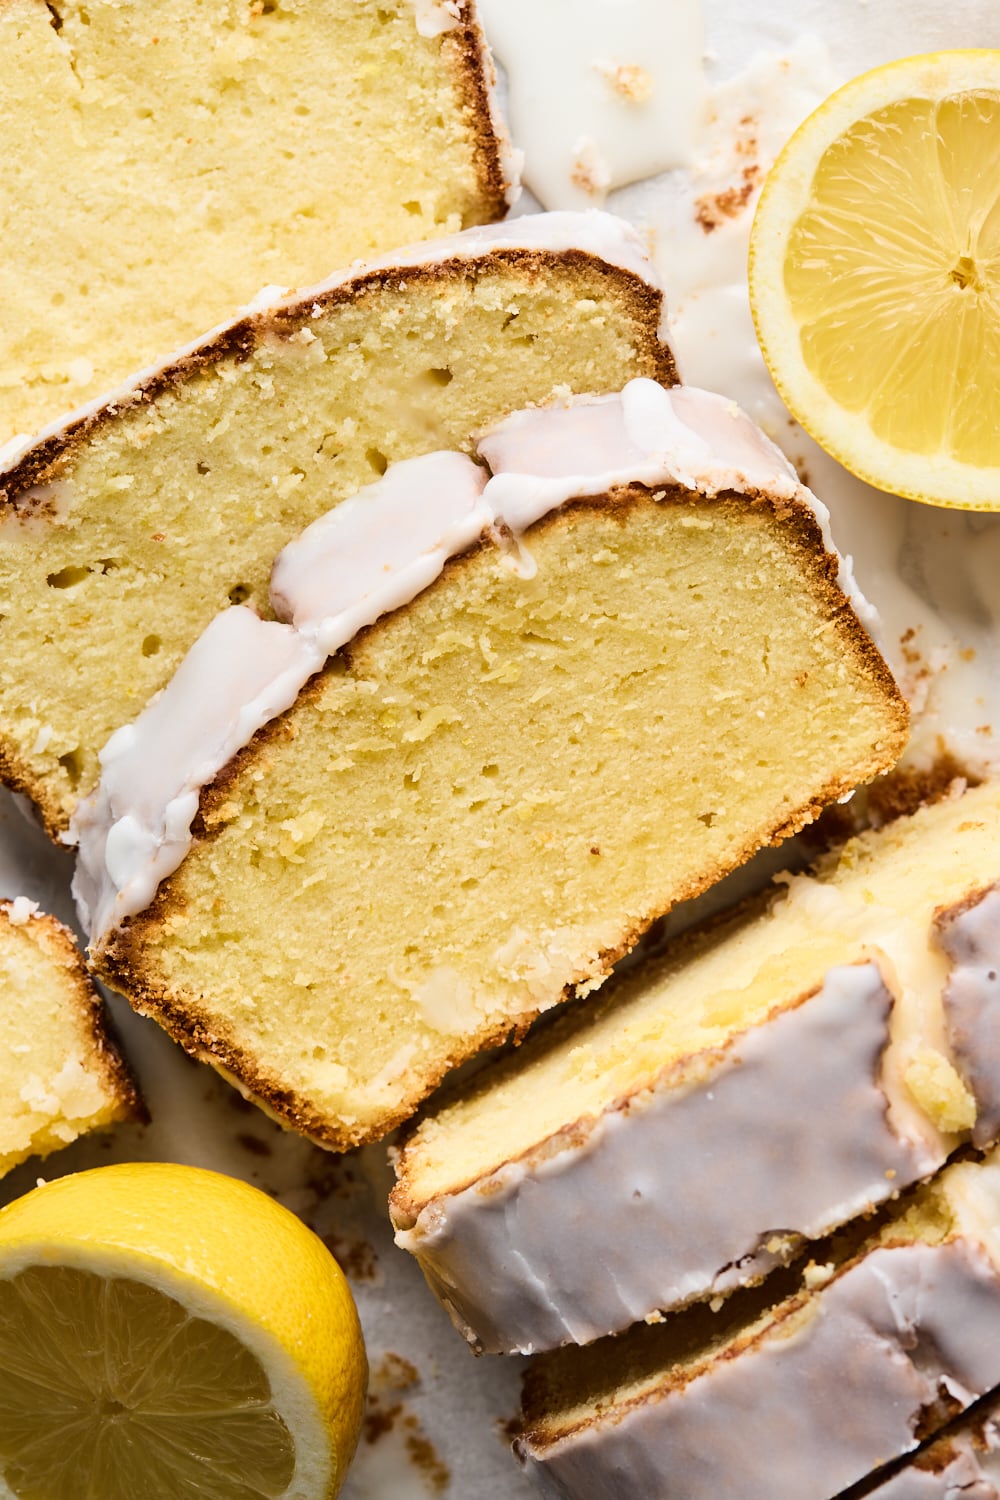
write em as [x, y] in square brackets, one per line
[817, 1402]
[585, 1240]
[599, 94]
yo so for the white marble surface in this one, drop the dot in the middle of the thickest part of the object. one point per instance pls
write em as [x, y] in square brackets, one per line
[931, 572]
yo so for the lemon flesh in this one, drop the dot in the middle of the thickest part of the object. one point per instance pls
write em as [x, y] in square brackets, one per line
[874, 277]
[171, 1332]
[111, 1390]
[893, 273]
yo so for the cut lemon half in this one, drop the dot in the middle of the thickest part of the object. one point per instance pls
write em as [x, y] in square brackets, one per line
[171, 1333]
[875, 277]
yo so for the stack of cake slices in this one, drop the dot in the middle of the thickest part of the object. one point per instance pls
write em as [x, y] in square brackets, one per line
[61, 1074]
[396, 655]
[127, 527]
[803, 1397]
[722, 1110]
[499, 727]
[765, 1080]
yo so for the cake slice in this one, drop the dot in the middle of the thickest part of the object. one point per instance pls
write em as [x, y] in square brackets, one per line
[191, 153]
[962, 1464]
[797, 1402]
[762, 1082]
[625, 664]
[126, 529]
[62, 1074]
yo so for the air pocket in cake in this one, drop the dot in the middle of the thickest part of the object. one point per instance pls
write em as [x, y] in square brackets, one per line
[611, 686]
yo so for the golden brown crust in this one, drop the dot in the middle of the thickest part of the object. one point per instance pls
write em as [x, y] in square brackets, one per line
[186, 1017]
[476, 78]
[18, 778]
[57, 942]
[944, 916]
[538, 1432]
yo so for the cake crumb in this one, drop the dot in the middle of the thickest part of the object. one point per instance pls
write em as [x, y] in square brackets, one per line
[394, 1373]
[590, 171]
[816, 1276]
[356, 1258]
[628, 80]
[713, 209]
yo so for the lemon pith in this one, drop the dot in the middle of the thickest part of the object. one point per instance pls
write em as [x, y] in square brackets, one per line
[171, 1332]
[875, 276]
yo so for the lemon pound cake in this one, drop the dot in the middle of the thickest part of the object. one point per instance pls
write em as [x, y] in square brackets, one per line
[760, 1084]
[799, 1401]
[62, 1073]
[194, 152]
[125, 531]
[618, 685]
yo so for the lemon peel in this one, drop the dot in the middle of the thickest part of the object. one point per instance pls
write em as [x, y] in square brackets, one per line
[168, 1330]
[875, 277]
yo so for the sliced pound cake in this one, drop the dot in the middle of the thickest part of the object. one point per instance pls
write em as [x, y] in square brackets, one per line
[62, 1074]
[123, 532]
[626, 664]
[761, 1083]
[799, 1401]
[164, 161]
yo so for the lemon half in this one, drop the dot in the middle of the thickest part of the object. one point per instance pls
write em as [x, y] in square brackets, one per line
[875, 277]
[169, 1332]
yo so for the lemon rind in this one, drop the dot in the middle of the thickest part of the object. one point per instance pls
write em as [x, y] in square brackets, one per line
[931, 480]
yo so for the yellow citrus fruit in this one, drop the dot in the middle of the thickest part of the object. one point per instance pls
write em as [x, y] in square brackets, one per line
[875, 277]
[168, 1332]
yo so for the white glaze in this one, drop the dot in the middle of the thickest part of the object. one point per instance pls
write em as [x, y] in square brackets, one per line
[600, 94]
[802, 1415]
[376, 551]
[656, 1207]
[646, 435]
[134, 829]
[371, 554]
[971, 938]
